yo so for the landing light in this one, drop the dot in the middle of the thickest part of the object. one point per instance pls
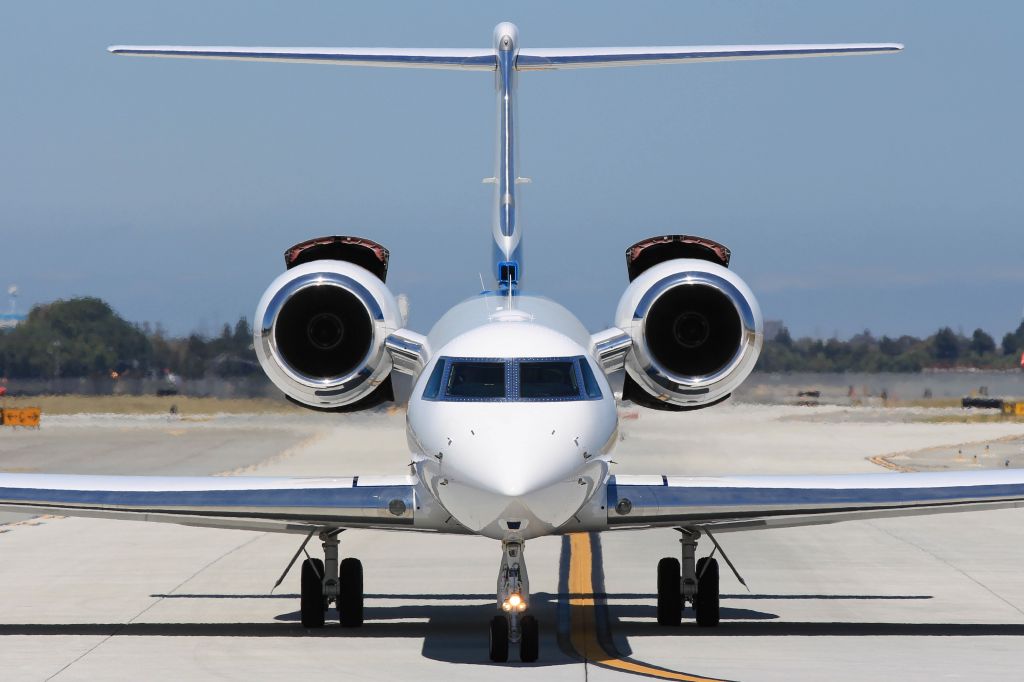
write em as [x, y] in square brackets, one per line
[513, 603]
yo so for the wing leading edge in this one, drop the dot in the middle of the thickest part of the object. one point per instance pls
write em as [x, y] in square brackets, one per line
[250, 503]
[749, 502]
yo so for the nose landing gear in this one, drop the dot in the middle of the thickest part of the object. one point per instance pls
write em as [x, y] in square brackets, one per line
[326, 581]
[513, 625]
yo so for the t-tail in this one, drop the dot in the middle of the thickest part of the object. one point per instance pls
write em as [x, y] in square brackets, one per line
[505, 58]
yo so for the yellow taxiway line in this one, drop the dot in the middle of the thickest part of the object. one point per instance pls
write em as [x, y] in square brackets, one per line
[583, 619]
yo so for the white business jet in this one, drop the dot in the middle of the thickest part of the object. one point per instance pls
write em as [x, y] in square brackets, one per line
[511, 422]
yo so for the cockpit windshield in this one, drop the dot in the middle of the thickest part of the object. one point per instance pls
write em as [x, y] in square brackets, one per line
[512, 380]
[548, 379]
[476, 380]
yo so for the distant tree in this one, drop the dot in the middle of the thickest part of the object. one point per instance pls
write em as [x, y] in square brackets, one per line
[898, 347]
[193, 356]
[77, 337]
[232, 354]
[1010, 344]
[783, 338]
[946, 345]
[243, 333]
[1013, 342]
[863, 353]
[982, 343]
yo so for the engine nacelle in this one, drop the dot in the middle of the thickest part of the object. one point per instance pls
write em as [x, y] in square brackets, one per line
[319, 333]
[696, 332]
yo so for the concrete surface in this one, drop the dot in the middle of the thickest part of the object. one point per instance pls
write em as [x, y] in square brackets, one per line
[938, 597]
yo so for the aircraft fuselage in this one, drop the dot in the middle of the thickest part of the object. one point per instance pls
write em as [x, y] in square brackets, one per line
[517, 459]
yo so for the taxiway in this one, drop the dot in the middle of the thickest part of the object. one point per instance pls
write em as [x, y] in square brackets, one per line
[914, 599]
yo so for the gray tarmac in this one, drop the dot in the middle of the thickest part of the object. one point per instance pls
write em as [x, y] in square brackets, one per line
[937, 597]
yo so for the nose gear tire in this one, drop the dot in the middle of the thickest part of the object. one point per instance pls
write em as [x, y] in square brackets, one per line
[498, 649]
[529, 642]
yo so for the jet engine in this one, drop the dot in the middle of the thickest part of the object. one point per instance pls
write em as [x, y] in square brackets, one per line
[695, 326]
[321, 326]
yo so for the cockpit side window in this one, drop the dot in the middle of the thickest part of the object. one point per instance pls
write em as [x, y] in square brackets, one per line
[590, 385]
[434, 382]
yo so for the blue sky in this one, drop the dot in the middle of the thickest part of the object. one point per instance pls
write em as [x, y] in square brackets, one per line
[876, 192]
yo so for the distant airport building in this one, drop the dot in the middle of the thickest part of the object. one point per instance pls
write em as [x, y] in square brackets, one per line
[11, 320]
[772, 329]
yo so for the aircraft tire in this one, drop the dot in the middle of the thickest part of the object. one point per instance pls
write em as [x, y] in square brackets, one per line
[529, 644]
[350, 595]
[311, 601]
[707, 593]
[670, 597]
[498, 648]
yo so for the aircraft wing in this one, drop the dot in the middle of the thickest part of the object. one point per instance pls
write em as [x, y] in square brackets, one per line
[751, 502]
[585, 57]
[295, 505]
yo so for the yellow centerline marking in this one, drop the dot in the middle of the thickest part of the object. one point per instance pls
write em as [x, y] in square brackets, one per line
[583, 619]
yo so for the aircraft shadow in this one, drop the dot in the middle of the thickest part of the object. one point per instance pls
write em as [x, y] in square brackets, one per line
[824, 629]
[457, 633]
[571, 595]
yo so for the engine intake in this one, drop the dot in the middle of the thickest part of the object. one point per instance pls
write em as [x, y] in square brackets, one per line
[320, 335]
[323, 331]
[696, 332]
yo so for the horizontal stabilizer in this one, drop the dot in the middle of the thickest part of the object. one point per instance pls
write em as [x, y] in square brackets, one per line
[441, 58]
[486, 60]
[578, 58]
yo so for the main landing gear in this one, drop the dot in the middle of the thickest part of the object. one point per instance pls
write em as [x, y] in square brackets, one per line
[696, 583]
[513, 625]
[328, 581]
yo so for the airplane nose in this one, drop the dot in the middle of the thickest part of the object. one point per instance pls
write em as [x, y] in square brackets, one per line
[526, 463]
[537, 490]
[517, 461]
[520, 482]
